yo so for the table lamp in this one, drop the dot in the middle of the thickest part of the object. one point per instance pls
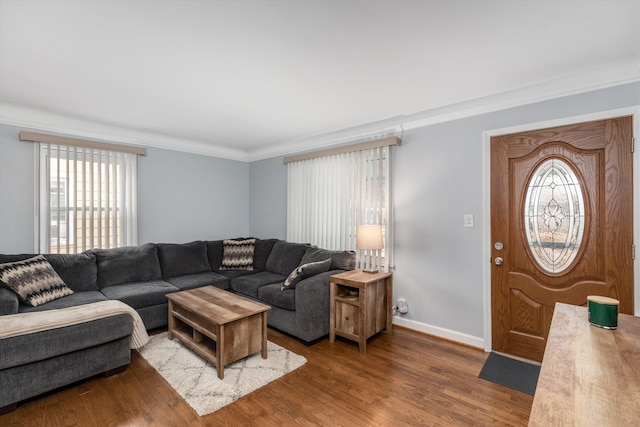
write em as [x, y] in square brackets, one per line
[369, 239]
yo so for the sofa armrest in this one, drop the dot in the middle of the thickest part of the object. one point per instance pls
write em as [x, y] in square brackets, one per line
[8, 302]
[314, 290]
[313, 305]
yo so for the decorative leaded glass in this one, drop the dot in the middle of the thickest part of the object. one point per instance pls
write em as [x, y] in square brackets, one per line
[554, 215]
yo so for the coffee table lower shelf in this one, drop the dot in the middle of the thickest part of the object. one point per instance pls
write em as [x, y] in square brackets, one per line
[200, 342]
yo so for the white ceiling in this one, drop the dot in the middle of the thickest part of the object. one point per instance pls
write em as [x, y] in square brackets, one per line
[252, 79]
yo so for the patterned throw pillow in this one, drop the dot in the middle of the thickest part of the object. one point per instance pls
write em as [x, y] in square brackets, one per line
[237, 254]
[34, 280]
[304, 271]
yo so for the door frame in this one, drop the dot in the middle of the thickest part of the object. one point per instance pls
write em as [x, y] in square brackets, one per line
[486, 233]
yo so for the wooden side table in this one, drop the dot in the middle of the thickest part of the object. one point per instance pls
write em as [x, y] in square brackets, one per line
[360, 305]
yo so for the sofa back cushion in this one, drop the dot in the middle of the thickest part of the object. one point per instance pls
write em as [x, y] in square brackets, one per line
[183, 259]
[285, 257]
[262, 252]
[128, 264]
[340, 260]
[78, 271]
[4, 258]
[214, 254]
[9, 301]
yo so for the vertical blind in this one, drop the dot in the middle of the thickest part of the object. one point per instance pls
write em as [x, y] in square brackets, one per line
[329, 196]
[87, 198]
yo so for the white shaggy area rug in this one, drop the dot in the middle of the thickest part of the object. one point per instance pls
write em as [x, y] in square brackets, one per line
[197, 380]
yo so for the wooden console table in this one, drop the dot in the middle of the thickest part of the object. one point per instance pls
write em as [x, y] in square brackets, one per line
[590, 376]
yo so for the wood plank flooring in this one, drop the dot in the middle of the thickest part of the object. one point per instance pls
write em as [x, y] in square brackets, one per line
[406, 379]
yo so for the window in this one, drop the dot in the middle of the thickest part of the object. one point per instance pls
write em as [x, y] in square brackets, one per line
[554, 215]
[58, 195]
[87, 198]
[330, 193]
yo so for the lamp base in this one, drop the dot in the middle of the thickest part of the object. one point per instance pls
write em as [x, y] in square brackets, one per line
[370, 271]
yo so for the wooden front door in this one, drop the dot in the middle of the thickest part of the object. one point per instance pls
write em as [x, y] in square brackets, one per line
[561, 226]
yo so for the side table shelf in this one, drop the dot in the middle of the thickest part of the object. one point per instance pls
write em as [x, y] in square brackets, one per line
[360, 305]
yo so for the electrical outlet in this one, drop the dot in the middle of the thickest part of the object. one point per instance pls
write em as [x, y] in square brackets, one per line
[402, 306]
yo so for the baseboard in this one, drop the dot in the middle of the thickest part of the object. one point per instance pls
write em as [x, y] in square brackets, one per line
[440, 332]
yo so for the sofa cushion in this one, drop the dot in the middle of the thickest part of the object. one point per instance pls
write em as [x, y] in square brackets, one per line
[304, 271]
[182, 259]
[79, 271]
[232, 274]
[128, 264]
[141, 294]
[214, 254]
[249, 284]
[34, 280]
[77, 298]
[340, 260]
[9, 301]
[208, 278]
[285, 257]
[272, 295]
[238, 254]
[5, 258]
[261, 254]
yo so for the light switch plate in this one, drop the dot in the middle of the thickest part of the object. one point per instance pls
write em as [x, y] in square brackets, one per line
[468, 220]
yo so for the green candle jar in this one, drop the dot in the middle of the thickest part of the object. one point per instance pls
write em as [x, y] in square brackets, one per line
[603, 311]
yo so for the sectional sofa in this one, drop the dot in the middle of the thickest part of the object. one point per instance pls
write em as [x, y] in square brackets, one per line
[292, 278]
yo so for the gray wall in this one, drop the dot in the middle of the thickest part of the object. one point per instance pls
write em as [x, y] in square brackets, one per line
[439, 179]
[17, 192]
[182, 197]
[268, 199]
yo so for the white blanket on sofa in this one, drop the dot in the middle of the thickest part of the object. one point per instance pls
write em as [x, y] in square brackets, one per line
[12, 325]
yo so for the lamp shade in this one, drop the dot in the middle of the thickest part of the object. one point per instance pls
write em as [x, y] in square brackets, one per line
[369, 237]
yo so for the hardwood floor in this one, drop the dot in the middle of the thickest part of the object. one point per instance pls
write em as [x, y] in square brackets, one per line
[407, 378]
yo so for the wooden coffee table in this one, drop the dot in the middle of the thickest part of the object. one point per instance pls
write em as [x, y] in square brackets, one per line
[218, 325]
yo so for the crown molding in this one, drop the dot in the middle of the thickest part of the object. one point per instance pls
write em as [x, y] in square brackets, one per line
[531, 94]
[40, 120]
[604, 77]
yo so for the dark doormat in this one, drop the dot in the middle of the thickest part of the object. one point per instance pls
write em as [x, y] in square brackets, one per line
[512, 373]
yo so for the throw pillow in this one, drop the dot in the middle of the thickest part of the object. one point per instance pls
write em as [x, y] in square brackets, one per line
[238, 254]
[304, 271]
[34, 280]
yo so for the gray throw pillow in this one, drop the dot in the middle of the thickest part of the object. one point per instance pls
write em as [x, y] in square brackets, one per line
[34, 280]
[304, 271]
[340, 260]
[238, 254]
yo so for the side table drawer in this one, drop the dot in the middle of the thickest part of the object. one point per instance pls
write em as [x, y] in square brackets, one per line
[347, 318]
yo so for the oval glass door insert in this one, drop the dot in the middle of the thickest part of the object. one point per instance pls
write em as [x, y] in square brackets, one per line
[554, 215]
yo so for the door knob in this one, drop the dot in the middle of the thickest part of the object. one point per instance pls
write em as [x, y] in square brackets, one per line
[498, 261]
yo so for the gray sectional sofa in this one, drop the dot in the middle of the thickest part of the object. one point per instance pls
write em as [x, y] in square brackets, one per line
[141, 277]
